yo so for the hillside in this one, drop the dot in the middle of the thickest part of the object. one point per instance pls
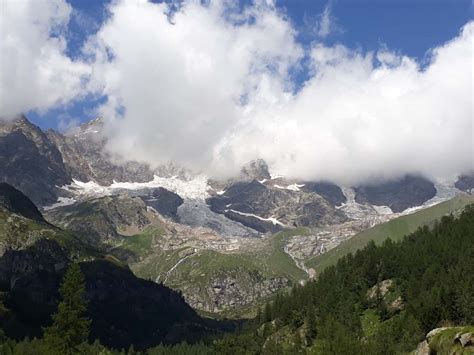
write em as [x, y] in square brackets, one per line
[124, 309]
[380, 300]
[394, 229]
[217, 275]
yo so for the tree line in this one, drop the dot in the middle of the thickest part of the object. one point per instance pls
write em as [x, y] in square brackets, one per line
[379, 300]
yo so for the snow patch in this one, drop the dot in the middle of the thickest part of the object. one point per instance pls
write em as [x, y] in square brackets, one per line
[62, 201]
[292, 187]
[271, 219]
[196, 188]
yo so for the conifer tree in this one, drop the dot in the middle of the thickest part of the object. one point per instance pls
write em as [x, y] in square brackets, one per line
[70, 326]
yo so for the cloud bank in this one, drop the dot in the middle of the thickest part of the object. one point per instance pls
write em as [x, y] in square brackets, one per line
[35, 72]
[209, 87]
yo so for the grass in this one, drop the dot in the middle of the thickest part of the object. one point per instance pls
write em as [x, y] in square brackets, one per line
[280, 262]
[33, 230]
[197, 272]
[443, 342]
[395, 229]
[141, 244]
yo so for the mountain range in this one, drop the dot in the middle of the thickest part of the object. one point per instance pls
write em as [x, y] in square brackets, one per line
[225, 245]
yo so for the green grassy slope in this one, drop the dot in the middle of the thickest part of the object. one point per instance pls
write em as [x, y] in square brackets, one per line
[20, 232]
[200, 267]
[444, 343]
[395, 229]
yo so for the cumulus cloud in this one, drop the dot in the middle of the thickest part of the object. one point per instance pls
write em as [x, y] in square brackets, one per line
[176, 85]
[35, 72]
[367, 115]
[209, 86]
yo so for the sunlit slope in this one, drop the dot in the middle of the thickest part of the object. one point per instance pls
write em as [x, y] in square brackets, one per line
[395, 229]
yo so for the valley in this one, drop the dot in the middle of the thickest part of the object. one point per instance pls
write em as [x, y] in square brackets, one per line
[226, 245]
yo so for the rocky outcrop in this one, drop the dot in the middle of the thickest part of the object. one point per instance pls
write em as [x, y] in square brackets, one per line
[198, 214]
[242, 288]
[465, 182]
[124, 309]
[165, 202]
[30, 161]
[386, 292]
[447, 340]
[331, 192]
[269, 208]
[410, 191]
[16, 202]
[86, 159]
[256, 170]
[102, 220]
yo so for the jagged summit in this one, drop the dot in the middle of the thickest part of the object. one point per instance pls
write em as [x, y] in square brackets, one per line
[30, 161]
[256, 169]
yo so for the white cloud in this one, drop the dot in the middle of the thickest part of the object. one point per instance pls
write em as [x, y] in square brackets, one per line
[322, 25]
[181, 82]
[210, 89]
[358, 118]
[34, 71]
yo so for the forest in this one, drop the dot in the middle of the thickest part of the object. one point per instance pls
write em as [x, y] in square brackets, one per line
[380, 300]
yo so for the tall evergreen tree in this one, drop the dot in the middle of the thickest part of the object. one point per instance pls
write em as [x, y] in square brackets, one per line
[70, 326]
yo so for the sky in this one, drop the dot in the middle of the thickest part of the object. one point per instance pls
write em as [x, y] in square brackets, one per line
[409, 27]
[317, 88]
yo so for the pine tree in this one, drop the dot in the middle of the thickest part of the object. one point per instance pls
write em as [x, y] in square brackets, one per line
[70, 327]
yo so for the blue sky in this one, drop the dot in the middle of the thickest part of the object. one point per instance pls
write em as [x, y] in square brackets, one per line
[409, 27]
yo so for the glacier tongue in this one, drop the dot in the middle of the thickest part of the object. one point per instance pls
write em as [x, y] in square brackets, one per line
[196, 188]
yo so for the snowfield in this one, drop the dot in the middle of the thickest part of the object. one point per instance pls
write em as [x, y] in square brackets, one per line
[196, 188]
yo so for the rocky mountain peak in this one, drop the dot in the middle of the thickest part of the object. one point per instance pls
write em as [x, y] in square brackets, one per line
[256, 169]
[30, 161]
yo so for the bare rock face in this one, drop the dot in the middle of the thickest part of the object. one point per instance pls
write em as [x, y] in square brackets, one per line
[448, 340]
[30, 161]
[16, 202]
[165, 202]
[331, 192]
[102, 220]
[255, 170]
[410, 191]
[465, 182]
[269, 208]
[86, 159]
[385, 289]
[238, 290]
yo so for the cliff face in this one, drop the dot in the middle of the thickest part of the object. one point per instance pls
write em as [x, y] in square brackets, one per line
[86, 159]
[30, 161]
[124, 309]
[410, 191]
[16, 202]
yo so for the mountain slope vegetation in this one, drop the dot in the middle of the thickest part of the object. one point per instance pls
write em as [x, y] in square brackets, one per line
[380, 300]
[394, 229]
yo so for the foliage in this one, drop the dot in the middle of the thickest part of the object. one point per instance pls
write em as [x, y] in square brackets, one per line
[70, 327]
[430, 271]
